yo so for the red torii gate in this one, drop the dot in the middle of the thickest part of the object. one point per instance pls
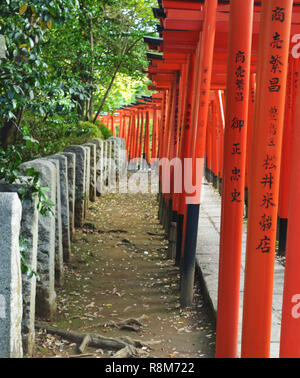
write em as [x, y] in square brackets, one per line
[134, 126]
[179, 15]
[225, 64]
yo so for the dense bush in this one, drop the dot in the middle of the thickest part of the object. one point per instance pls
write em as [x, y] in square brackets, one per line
[53, 135]
[104, 130]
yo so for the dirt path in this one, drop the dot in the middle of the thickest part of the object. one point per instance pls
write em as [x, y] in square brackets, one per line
[119, 270]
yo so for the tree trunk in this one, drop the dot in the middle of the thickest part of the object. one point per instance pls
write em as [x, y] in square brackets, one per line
[91, 104]
[80, 109]
[5, 132]
[124, 53]
[107, 92]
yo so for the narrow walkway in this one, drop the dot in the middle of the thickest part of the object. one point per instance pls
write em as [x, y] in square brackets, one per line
[208, 261]
[118, 271]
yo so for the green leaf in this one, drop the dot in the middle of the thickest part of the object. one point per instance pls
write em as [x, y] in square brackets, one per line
[23, 9]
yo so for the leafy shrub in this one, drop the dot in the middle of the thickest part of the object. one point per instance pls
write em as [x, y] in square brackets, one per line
[104, 130]
[55, 134]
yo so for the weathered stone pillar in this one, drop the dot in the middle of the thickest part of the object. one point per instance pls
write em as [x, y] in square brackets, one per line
[105, 162]
[93, 177]
[10, 277]
[45, 292]
[99, 162]
[71, 185]
[110, 157]
[59, 263]
[118, 153]
[80, 186]
[87, 179]
[64, 197]
[29, 235]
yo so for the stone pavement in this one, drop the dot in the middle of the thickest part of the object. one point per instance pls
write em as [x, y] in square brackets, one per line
[207, 259]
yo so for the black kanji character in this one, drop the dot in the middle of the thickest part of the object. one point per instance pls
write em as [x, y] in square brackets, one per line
[240, 72]
[235, 174]
[273, 129]
[235, 196]
[267, 200]
[236, 149]
[267, 180]
[237, 124]
[239, 96]
[269, 162]
[276, 63]
[264, 245]
[266, 222]
[278, 14]
[277, 42]
[271, 143]
[274, 85]
[274, 113]
[240, 57]
[240, 83]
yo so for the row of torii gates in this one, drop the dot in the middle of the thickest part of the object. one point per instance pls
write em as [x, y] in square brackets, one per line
[225, 75]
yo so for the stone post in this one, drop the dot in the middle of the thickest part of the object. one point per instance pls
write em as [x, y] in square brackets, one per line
[64, 198]
[29, 235]
[80, 186]
[71, 184]
[45, 292]
[10, 277]
[99, 162]
[59, 265]
[87, 179]
[93, 177]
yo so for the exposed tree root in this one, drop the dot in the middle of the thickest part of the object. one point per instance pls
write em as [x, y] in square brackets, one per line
[131, 324]
[125, 346]
[96, 340]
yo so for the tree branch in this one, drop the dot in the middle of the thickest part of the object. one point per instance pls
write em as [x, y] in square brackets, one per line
[113, 79]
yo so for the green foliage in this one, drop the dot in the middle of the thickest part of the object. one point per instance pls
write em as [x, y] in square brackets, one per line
[9, 163]
[54, 134]
[125, 90]
[25, 267]
[104, 130]
[63, 57]
[10, 160]
[26, 27]
[32, 188]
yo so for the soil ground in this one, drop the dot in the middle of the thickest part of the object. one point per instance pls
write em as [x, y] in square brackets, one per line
[119, 270]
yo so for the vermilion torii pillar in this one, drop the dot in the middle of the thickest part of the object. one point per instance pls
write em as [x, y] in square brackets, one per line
[154, 133]
[221, 125]
[215, 152]
[128, 135]
[137, 133]
[249, 136]
[141, 131]
[264, 178]
[208, 146]
[178, 197]
[112, 124]
[198, 145]
[146, 151]
[236, 114]
[286, 157]
[185, 148]
[290, 319]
